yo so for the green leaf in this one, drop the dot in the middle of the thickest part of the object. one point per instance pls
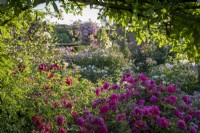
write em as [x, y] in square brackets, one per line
[35, 2]
[55, 7]
[47, 2]
[28, 3]
[169, 106]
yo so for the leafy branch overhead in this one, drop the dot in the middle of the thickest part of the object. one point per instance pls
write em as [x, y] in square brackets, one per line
[170, 22]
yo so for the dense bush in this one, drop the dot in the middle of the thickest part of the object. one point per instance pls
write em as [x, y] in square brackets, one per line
[131, 105]
[44, 92]
[148, 54]
[183, 74]
[97, 61]
[83, 32]
[61, 36]
[23, 43]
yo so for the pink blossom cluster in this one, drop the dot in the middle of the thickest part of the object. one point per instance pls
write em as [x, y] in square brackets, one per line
[84, 32]
[146, 106]
[91, 123]
[134, 104]
[48, 67]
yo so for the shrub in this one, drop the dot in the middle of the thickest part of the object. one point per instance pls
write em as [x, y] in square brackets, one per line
[96, 62]
[83, 32]
[139, 105]
[183, 74]
[134, 104]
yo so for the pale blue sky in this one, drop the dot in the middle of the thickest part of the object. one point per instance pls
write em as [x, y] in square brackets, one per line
[87, 14]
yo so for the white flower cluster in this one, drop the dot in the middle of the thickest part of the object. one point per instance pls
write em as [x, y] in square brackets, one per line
[93, 69]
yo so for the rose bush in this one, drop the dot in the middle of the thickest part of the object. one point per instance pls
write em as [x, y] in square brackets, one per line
[134, 104]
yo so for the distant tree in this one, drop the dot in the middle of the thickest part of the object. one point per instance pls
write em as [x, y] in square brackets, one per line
[169, 21]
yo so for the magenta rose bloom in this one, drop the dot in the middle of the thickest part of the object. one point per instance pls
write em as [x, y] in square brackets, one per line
[103, 129]
[60, 120]
[187, 99]
[113, 99]
[98, 91]
[177, 113]
[141, 102]
[155, 110]
[153, 99]
[138, 112]
[86, 112]
[197, 113]
[188, 118]
[181, 125]
[62, 130]
[128, 94]
[142, 77]
[163, 122]
[114, 87]
[106, 85]
[171, 100]
[104, 109]
[120, 117]
[81, 121]
[170, 89]
[131, 80]
[95, 103]
[122, 97]
[141, 124]
[193, 129]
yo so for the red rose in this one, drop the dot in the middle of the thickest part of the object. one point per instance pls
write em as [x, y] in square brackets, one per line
[68, 81]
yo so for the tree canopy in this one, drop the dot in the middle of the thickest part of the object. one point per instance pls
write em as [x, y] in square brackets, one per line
[174, 22]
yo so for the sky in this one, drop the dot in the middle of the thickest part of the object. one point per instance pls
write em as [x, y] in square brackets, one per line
[87, 14]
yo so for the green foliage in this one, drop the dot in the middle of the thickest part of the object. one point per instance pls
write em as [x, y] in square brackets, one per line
[179, 72]
[173, 22]
[97, 62]
[23, 42]
[103, 38]
[148, 54]
[61, 36]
